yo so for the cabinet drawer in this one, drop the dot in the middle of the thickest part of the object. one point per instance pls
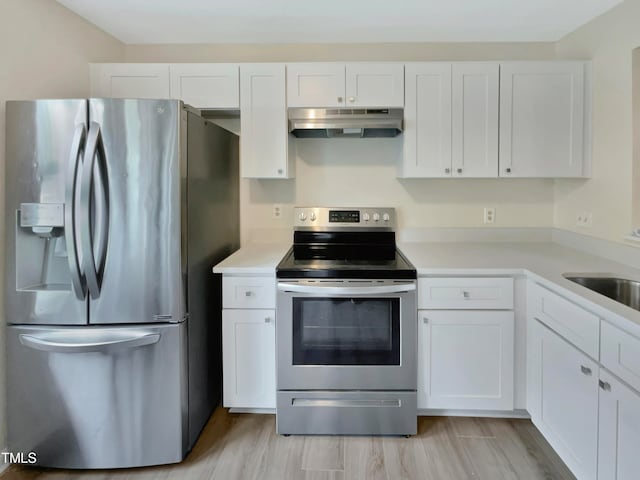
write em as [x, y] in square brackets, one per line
[620, 353]
[577, 325]
[465, 293]
[248, 292]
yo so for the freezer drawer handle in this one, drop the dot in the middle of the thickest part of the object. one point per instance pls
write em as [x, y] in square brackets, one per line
[75, 346]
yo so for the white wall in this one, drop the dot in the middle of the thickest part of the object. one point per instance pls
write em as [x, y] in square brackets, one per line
[44, 51]
[609, 41]
[347, 172]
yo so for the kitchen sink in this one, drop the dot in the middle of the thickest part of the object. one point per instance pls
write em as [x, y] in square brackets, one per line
[621, 290]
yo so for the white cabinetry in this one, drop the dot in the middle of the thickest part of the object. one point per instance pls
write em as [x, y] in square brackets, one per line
[249, 342]
[543, 119]
[249, 359]
[466, 352]
[340, 85]
[206, 85]
[451, 120]
[465, 360]
[619, 436]
[130, 80]
[566, 409]
[264, 142]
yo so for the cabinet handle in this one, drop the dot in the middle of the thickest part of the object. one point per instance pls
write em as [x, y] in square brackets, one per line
[248, 293]
[606, 386]
[279, 171]
[585, 370]
[339, 99]
[508, 170]
[465, 294]
[425, 320]
[459, 170]
[267, 320]
[447, 170]
[352, 99]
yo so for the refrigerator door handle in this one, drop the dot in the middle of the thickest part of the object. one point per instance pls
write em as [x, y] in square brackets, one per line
[70, 218]
[94, 187]
[108, 343]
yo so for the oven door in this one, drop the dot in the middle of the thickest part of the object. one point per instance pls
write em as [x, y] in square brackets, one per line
[346, 335]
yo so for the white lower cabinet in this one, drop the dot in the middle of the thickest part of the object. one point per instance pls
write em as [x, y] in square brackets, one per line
[249, 358]
[619, 417]
[465, 359]
[563, 400]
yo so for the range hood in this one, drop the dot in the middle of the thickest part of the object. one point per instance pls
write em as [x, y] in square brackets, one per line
[345, 122]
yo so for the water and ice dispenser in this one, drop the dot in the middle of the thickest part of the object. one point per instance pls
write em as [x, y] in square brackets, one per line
[41, 253]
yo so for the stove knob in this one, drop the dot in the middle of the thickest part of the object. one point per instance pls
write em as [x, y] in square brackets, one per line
[385, 217]
[376, 217]
[303, 216]
[312, 217]
[365, 217]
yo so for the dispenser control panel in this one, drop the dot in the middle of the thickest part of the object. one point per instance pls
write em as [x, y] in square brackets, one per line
[42, 215]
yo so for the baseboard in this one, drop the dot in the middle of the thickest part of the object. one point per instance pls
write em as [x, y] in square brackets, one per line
[437, 412]
[262, 411]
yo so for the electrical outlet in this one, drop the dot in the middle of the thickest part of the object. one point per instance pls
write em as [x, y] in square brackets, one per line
[277, 211]
[489, 215]
[584, 219]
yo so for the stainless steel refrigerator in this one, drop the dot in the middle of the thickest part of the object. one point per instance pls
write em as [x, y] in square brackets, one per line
[116, 210]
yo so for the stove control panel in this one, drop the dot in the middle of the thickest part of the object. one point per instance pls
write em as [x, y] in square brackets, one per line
[332, 218]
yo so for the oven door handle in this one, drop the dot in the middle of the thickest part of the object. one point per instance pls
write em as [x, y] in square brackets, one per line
[382, 289]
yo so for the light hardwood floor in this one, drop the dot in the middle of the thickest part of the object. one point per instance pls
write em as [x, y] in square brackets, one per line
[245, 446]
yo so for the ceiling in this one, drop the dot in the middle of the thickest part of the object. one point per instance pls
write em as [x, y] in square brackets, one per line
[337, 21]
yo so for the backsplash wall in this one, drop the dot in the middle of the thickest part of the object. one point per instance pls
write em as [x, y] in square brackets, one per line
[362, 172]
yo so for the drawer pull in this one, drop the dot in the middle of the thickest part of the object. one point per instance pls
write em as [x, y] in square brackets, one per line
[248, 293]
[585, 370]
[465, 294]
[425, 320]
[606, 386]
[267, 320]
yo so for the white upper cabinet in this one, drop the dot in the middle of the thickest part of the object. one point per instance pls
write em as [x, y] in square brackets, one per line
[427, 121]
[451, 120]
[374, 85]
[264, 141]
[475, 120]
[206, 85]
[130, 80]
[543, 119]
[315, 85]
[340, 85]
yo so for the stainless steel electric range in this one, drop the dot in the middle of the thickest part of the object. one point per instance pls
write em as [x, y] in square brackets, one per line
[346, 326]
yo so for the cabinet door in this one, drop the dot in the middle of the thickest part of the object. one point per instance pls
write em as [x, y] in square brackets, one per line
[130, 80]
[427, 121]
[619, 418]
[249, 358]
[542, 119]
[263, 122]
[315, 85]
[475, 119]
[375, 85]
[568, 412]
[206, 85]
[465, 360]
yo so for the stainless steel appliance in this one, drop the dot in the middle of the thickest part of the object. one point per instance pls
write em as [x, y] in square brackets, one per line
[116, 211]
[346, 327]
[345, 122]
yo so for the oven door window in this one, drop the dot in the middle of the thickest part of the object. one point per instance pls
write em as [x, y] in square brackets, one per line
[346, 331]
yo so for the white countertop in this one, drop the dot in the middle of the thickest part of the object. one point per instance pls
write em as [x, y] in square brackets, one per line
[543, 262]
[257, 258]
